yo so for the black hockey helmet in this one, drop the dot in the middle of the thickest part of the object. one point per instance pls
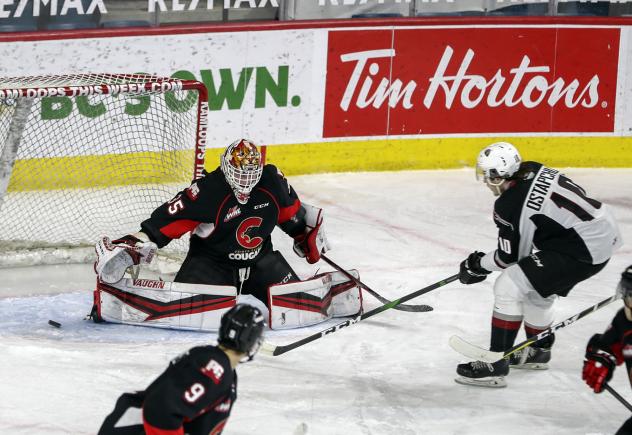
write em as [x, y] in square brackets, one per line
[625, 286]
[241, 329]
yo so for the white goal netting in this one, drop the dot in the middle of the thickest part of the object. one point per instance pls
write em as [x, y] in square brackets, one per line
[83, 156]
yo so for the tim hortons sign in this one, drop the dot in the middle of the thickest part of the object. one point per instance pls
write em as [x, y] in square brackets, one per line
[470, 80]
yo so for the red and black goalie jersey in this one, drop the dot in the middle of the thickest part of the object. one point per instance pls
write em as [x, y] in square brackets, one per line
[221, 228]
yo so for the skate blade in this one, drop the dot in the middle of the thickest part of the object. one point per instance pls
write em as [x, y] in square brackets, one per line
[530, 366]
[489, 382]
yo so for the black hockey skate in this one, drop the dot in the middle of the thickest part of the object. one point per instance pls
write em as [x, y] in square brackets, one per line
[532, 358]
[482, 374]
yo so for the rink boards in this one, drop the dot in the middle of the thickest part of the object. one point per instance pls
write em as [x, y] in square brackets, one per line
[335, 96]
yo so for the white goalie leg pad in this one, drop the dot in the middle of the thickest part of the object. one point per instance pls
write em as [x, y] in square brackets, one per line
[346, 295]
[301, 303]
[164, 304]
[313, 301]
[251, 300]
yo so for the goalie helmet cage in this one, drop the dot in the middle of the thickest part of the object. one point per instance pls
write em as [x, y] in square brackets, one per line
[87, 155]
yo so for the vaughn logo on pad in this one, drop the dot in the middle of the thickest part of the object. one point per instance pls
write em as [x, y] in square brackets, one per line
[442, 81]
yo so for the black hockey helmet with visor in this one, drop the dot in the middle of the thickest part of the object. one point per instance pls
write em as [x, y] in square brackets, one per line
[625, 287]
[241, 329]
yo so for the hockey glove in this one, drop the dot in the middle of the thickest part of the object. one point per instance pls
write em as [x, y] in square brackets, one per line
[598, 368]
[115, 256]
[470, 271]
[313, 241]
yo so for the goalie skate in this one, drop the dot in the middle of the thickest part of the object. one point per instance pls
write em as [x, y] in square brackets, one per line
[482, 374]
[531, 358]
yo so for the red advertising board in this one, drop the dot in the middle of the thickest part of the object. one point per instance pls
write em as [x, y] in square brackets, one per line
[470, 80]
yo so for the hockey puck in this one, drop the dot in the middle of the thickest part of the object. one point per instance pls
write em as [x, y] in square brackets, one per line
[55, 324]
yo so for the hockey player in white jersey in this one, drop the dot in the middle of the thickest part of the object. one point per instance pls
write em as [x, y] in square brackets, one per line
[551, 236]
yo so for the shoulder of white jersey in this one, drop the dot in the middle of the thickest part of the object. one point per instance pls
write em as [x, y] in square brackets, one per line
[511, 201]
[513, 197]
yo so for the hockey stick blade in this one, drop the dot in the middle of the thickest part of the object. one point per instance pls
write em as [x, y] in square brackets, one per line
[478, 353]
[376, 295]
[472, 351]
[271, 349]
[267, 348]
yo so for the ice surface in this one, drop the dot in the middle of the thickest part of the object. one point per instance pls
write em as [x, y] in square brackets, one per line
[391, 374]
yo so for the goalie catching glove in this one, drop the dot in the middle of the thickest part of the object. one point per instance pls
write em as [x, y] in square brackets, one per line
[313, 241]
[115, 256]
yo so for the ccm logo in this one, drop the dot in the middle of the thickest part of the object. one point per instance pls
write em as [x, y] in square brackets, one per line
[257, 207]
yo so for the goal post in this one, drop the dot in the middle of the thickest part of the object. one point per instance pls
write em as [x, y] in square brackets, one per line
[87, 155]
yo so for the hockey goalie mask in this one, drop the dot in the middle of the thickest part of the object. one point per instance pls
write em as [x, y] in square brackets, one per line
[496, 164]
[242, 166]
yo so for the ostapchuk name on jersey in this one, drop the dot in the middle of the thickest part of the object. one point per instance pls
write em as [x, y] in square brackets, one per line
[540, 188]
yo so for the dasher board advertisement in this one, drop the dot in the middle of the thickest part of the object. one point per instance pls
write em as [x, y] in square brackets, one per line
[477, 80]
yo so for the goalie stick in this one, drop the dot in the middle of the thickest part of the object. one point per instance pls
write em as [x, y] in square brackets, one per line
[274, 350]
[478, 353]
[376, 295]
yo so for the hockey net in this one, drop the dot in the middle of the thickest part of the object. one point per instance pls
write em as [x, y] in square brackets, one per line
[82, 156]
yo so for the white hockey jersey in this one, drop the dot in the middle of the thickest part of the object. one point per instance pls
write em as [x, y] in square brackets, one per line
[548, 211]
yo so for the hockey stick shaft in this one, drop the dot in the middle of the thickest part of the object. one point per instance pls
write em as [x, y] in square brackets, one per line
[476, 352]
[376, 295]
[560, 325]
[278, 350]
[618, 396]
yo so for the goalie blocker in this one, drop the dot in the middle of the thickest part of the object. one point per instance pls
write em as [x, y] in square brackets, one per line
[200, 307]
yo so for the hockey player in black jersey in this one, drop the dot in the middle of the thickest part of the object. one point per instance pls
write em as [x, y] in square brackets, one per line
[197, 391]
[605, 351]
[551, 236]
[230, 214]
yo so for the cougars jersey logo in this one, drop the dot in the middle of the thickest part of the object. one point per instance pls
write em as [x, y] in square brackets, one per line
[243, 238]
